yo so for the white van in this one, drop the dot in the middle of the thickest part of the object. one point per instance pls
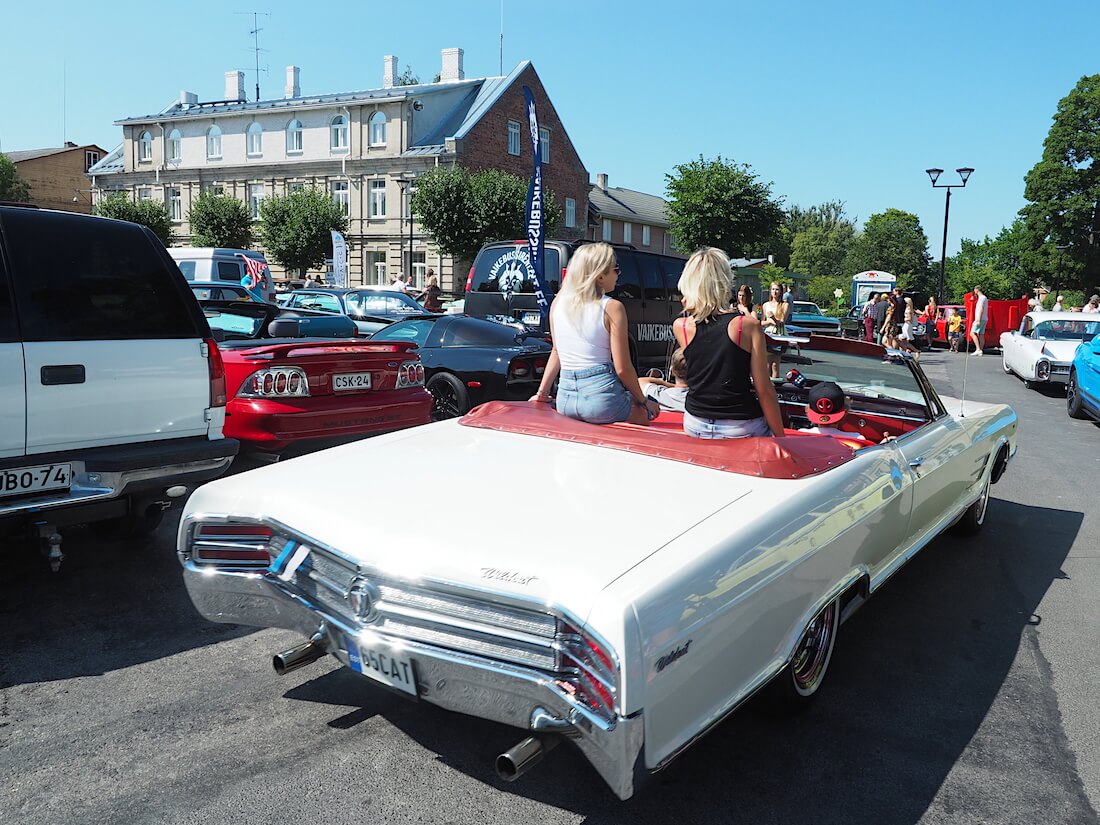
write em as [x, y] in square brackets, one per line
[214, 264]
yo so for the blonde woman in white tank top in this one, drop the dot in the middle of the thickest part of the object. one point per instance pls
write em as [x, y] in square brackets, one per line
[591, 352]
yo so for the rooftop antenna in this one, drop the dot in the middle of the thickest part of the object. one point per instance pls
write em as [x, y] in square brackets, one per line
[255, 32]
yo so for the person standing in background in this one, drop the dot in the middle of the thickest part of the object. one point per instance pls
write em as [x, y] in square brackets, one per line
[981, 317]
[868, 317]
[881, 305]
[931, 309]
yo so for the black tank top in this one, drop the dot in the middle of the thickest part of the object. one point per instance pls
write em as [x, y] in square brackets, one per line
[718, 373]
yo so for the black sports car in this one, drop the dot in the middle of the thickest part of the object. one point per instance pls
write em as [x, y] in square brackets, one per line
[468, 361]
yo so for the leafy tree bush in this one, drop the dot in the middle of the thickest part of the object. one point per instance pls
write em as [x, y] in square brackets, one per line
[294, 229]
[220, 220]
[1070, 298]
[12, 187]
[150, 213]
[822, 288]
[722, 204]
[894, 242]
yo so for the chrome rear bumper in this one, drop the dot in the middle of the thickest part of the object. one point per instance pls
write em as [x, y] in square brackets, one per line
[474, 685]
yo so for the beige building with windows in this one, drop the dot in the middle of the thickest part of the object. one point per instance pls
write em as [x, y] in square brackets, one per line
[365, 148]
[56, 176]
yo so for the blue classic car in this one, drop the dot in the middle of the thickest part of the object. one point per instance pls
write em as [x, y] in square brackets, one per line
[371, 309]
[1083, 386]
[807, 314]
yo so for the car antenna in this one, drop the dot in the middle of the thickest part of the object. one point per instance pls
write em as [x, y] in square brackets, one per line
[962, 401]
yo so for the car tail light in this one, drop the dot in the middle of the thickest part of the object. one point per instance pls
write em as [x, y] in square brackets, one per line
[588, 670]
[519, 369]
[275, 382]
[410, 374]
[232, 545]
[540, 366]
[470, 280]
[217, 373]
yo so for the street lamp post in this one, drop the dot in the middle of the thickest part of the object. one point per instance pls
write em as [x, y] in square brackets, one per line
[934, 174]
[408, 189]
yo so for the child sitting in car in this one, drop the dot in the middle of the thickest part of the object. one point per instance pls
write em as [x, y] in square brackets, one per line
[826, 407]
[670, 397]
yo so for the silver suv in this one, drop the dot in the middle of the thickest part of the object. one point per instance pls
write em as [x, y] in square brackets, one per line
[112, 392]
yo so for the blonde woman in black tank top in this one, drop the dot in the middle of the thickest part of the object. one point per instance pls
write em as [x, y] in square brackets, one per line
[730, 392]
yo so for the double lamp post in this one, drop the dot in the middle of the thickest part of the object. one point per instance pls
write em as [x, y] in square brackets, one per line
[934, 174]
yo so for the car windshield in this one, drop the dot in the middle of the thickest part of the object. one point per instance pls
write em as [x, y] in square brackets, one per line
[1068, 330]
[806, 308]
[373, 303]
[860, 376]
[235, 325]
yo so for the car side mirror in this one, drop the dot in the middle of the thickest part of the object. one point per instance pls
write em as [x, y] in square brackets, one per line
[284, 328]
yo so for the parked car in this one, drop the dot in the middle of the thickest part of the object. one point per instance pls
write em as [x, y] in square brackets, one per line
[112, 392]
[212, 292]
[1083, 385]
[1042, 349]
[371, 309]
[472, 360]
[807, 314]
[632, 641]
[206, 264]
[291, 391]
[501, 284]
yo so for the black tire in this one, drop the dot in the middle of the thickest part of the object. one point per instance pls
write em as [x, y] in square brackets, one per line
[974, 518]
[134, 525]
[1073, 397]
[799, 682]
[449, 396]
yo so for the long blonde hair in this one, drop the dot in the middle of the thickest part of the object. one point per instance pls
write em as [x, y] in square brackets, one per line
[579, 288]
[706, 283]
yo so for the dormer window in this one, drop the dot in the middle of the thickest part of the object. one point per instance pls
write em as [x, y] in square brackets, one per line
[255, 140]
[145, 147]
[338, 134]
[378, 129]
[213, 143]
[294, 137]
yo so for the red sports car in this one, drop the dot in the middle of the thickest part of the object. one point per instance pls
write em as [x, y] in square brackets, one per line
[287, 392]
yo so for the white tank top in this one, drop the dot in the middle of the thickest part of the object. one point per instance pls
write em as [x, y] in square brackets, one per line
[583, 345]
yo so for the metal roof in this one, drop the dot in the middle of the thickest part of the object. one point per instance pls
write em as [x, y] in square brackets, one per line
[628, 205]
[111, 162]
[31, 154]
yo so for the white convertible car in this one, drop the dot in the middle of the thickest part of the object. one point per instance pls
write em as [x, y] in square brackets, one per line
[1042, 349]
[657, 582]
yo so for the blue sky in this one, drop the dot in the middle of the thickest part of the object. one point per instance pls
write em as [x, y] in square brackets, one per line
[848, 101]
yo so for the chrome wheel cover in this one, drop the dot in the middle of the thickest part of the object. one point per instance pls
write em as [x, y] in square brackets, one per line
[811, 657]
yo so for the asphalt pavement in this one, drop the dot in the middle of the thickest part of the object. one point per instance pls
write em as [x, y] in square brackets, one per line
[963, 692]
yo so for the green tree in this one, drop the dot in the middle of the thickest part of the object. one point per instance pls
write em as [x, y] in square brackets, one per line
[147, 212]
[722, 204]
[294, 229]
[822, 291]
[407, 78]
[12, 187]
[828, 216]
[1063, 190]
[818, 251]
[462, 211]
[220, 220]
[999, 265]
[892, 241]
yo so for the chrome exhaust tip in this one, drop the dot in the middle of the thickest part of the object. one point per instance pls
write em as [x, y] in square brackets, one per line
[304, 654]
[519, 759]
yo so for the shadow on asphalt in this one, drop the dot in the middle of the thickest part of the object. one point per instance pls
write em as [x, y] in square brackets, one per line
[114, 604]
[915, 674]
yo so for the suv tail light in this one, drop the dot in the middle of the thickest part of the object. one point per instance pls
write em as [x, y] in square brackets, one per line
[217, 373]
[470, 280]
[231, 545]
[275, 382]
[410, 374]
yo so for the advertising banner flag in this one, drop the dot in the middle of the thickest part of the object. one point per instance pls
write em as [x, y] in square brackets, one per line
[253, 277]
[339, 260]
[535, 211]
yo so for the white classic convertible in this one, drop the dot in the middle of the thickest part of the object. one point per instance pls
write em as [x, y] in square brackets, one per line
[1042, 349]
[660, 581]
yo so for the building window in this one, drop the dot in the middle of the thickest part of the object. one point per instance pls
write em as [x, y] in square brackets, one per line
[513, 137]
[90, 160]
[338, 134]
[294, 137]
[145, 147]
[420, 268]
[378, 199]
[295, 186]
[645, 235]
[213, 143]
[607, 229]
[570, 212]
[145, 194]
[628, 232]
[376, 269]
[175, 203]
[255, 140]
[341, 195]
[255, 195]
[175, 145]
[378, 129]
[544, 144]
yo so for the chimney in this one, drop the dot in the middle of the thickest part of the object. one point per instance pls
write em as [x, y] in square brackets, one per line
[188, 99]
[234, 86]
[601, 181]
[452, 66]
[389, 70]
[293, 82]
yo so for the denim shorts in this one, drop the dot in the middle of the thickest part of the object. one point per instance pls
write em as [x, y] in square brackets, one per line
[725, 427]
[594, 394]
